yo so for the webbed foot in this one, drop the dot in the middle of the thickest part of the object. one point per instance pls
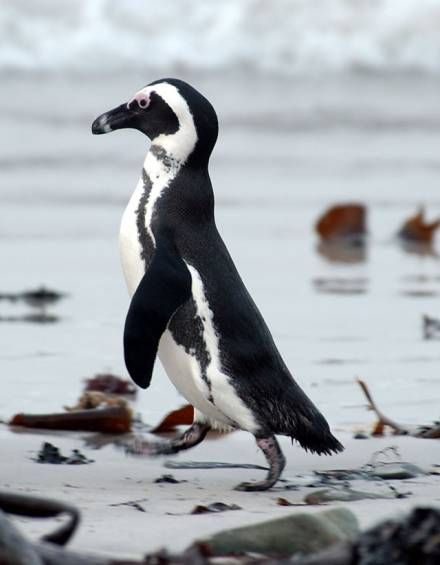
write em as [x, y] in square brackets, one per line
[274, 456]
[191, 437]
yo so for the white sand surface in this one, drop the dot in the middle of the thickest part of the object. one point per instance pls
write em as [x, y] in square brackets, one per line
[115, 478]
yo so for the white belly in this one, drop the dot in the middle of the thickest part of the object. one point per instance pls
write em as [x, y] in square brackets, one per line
[184, 372]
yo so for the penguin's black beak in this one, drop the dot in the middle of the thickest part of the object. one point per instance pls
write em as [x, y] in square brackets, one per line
[121, 117]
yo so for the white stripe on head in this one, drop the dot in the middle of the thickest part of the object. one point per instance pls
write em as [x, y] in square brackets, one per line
[181, 144]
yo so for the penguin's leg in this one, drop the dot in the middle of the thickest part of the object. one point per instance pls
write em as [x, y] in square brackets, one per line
[194, 435]
[274, 456]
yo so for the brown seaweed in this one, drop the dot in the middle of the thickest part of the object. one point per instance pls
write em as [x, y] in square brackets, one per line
[343, 223]
[183, 416]
[110, 384]
[111, 420]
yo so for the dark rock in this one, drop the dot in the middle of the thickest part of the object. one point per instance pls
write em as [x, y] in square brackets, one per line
[168, 479]
[361, 435]
[413, 540]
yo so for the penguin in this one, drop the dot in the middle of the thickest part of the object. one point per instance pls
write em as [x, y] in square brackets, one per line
[189, 305]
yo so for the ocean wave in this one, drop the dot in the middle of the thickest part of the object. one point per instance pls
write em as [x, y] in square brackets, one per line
[281, 36]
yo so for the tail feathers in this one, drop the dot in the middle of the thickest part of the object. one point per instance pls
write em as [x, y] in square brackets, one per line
[313, 434]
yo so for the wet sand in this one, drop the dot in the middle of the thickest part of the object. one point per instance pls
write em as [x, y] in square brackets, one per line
[287, 149]
[126, 531]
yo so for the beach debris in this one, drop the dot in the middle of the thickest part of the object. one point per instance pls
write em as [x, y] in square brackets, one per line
[170, 479]
[39, 297]
[396, 471]
[342, 229]
[299, 532]
[183, 416]
[360, 435]
[136, 504]
[344, 494]
[343, 223]
[385, 464]
[214, 507]
[284, 502]
[36, 507]
[325, 538]
[110, 420]
[110, 384]
[211, 465]
[417, 230]
[410, 540]
[423, 431]
[341, 286]
[94, 399]
[413, 539]
[431, 327]
[49, 453]
[196, 554]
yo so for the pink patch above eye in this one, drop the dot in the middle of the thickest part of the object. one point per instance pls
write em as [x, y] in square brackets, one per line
[141, 99]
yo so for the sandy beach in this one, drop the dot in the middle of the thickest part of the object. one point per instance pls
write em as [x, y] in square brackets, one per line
[110, 527]
[62, 194]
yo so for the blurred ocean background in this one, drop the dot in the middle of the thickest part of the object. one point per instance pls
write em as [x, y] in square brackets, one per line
[319, 101]
[273, 36]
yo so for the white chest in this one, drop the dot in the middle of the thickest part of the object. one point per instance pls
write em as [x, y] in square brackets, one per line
[135, 230]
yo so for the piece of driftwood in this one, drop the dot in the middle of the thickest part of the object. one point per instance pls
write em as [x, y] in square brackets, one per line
[427, 432]
[110, 420]
[36, 507]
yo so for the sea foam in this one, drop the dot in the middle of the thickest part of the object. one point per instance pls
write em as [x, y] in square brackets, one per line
[282, 36]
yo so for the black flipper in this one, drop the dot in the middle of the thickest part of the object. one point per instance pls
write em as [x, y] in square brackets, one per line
[163, 289]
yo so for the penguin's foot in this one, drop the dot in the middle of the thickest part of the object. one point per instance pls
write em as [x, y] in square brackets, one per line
[274, 456]
[191, 437]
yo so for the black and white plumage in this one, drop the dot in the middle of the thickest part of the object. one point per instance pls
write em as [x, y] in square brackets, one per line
[189, 304]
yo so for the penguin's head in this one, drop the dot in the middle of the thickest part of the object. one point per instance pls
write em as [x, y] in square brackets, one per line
[172, 114]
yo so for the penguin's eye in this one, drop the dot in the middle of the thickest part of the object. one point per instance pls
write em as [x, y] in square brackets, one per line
[141, 99]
